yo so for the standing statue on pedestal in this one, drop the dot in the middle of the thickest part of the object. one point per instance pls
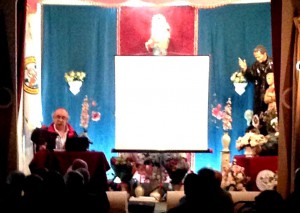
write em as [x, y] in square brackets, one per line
[261, 74]
[257, 74]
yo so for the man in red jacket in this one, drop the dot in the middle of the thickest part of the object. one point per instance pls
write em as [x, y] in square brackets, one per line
[58, 131]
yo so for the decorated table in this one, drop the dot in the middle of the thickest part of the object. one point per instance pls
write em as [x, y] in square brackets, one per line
[61, 161]
[256, 166]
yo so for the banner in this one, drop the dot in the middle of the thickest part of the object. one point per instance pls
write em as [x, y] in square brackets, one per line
[32, 80]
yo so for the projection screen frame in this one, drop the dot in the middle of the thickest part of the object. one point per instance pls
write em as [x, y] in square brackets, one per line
[166, 66]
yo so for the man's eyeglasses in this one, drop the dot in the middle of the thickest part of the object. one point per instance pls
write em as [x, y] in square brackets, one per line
[61, 117]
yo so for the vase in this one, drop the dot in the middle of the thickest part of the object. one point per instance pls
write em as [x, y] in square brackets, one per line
[252, 151]
[226, 142]
[74, 86]
[240, 87]
[139, 191]
[248, 152]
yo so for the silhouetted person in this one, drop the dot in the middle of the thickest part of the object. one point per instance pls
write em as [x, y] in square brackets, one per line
[47, 137]
[34, 194]
[293, 199]
[76, 195]
[212, 198]
[55, 190]
[269, 201]
[86, 175]
[189, 203]
[11, 194]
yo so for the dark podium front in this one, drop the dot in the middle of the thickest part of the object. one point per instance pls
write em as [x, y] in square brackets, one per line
[62, 160]
[253, 165]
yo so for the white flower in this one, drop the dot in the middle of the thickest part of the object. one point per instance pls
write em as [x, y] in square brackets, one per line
[250, 139]
[238, 77]
[234, 178]
[74, 76]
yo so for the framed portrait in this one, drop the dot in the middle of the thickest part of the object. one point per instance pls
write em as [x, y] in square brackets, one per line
[172, 29]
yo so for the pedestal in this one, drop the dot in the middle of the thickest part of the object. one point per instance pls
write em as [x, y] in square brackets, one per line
[225, 161]
[248, 152]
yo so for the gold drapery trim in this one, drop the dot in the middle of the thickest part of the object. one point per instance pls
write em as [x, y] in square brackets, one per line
[140, 3]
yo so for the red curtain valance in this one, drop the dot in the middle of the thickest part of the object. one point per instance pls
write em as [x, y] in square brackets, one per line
[119, 3]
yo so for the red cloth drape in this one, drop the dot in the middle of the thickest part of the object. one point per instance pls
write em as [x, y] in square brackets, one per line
[134, 29]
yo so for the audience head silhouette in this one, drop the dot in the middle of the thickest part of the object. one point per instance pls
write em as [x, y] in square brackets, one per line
[15, 180]
[74, 181]
[191, 183]
[297, 180]
[208, 179]
[269, 201]
[79, 163]
[85, 173]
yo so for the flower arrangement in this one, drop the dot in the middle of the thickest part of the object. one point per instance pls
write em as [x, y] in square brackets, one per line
[239, 81]
[151, 169]
[124, 167]
[270, 119]
[251, 139]
[224, 115]
[238, 77]
[74, 76]
[234, 178]
[176, 165]
[85, 117]
[227, 118]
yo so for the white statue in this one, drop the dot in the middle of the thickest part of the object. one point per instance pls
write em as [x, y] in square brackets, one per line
[160, 35]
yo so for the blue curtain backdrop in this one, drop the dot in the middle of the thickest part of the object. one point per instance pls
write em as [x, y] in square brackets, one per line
[84, 38]
[227, 33]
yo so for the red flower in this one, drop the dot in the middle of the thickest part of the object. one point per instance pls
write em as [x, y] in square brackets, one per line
[94, 103]
[217, 112]
[96, 116]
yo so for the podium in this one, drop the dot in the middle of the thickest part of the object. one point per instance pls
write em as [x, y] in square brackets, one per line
[62, 160]
[253, 165]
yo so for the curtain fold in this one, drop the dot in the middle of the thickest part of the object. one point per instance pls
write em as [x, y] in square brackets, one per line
[295, 143]
[5, 100]
[288, 158]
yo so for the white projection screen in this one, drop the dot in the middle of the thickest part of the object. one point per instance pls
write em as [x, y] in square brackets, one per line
[161, 103]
